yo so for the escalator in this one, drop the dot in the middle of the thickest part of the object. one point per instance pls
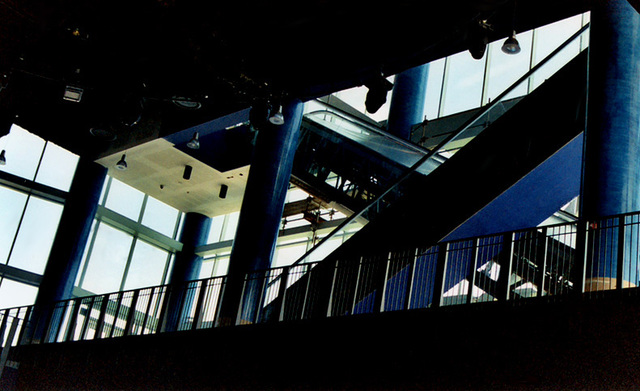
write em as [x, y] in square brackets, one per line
[420, 210]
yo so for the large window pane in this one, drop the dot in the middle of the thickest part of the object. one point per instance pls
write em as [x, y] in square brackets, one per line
[36, 235]
[11, 206]
[124, 199]
[105, 267]
[217, 223]
[286, 255]
[23, 151]
[57, 168]
[230, 226]
[160, 217]
[16, 294]
[463, 84]
[505, 69]
[550, 37]
[147, 266]
[434, 88]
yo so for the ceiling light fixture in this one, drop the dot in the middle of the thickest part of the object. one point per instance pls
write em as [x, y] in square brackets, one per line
[277, 118]
[73, 94]
[122, 163]
[511, 45]
[223, 191]
[194, 143]
[186, 175]
[186, 103]
[3, 158]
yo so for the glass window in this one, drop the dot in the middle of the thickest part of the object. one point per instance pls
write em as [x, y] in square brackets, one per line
[23, 151]
[160, 217]
[505, 69]
[550, 37]
[16, 294]
[286, 255]
[434, 88]
[12, 204]
[35, 238]
[230, 227]
[463, 83]
[124, 199]
[222, 266]
[57, 168]
[216, 229]
[107, 260]
[147, 266]
[206, 270]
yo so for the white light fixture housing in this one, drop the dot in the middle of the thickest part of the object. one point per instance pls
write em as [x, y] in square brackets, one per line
[277, 118]
[3, 159]
[122, 163]
[195, 141]
[511, 45]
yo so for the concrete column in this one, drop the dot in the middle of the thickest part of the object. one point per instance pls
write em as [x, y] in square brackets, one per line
[187, 265]
[261, 212]
[611, 169]
[407, 101]
[69, 243]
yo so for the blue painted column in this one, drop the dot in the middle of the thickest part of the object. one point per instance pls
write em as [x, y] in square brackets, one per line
[186, 267]
[69, 243]
[407, 101]
[611, 169]
[261, 212]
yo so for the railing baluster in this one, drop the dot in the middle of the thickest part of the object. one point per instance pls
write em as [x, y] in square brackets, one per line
[199, 303]
[441, 267]
[71, 326]
[131, 315]
[472, 270]
[100, 322]
[620, 254]
[506, 264]
[541, 262]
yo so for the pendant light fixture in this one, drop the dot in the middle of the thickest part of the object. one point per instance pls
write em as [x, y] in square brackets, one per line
[3, 158]
[277, 118]
[122, 163]
[511, 45]
[195, 141]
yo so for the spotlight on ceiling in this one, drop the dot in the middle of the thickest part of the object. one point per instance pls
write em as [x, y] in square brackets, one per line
[73, 94]
[223, 191]
[122, 163]
[194, 143]
[277, 118]
[377, 94]
[511, 45]
[186, 175]
[186, 103]
[3, 159]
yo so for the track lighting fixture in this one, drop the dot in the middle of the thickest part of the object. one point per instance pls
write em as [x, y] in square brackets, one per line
[194, 143]
[277, 118]
[511, 45]
[3, 158]
[122, 163]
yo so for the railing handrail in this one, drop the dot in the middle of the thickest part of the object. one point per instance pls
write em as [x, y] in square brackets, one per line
[446, 140]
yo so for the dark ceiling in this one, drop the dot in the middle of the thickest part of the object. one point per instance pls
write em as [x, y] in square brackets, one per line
[131, 58]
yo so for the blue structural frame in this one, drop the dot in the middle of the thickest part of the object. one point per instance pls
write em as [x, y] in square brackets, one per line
[262, 206]
[70, 240]
[407, 101]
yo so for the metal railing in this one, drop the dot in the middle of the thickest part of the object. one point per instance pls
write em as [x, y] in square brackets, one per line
[565, 260]
[584, 258]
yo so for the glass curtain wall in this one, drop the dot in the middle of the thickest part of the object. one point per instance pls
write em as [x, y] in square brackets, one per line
[132, 242]
[28, 222]
[459, 83]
